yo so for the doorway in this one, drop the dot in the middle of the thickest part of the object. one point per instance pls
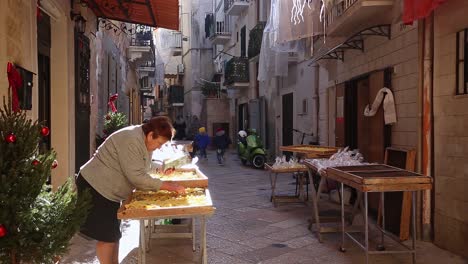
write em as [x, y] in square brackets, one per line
[43, 58]
[82, 102]
[242, 117]
[243, 42]
[288, 116]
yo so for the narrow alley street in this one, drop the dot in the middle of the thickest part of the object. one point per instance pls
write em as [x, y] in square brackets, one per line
[246, 228]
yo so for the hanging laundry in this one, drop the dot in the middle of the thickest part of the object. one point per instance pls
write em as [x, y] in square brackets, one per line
[386, 95]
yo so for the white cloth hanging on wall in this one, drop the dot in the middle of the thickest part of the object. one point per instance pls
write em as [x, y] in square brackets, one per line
[386, 95]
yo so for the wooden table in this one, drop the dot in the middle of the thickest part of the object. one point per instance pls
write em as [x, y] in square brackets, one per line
[180, 212]
[311, 151]
[379, 178]
[317, 219]
[273, 173]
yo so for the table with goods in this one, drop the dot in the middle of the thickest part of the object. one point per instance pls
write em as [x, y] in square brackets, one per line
[317, 171]
[311, 151]
[282, 167]
[379, 178]
[152, 208]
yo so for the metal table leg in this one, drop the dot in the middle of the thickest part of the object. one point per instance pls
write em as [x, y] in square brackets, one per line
[381, 247]
[203, 240]
[366, 227]
[142, 248]
[273, 185]
[413, 223]
[342, 248]
[315, 197]
[193, 235]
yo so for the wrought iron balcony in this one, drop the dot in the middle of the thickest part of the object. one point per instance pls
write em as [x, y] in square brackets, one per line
[217, 31]
[147, 68]
[255, 39]
[176, 95]
[235, 7]
[347, 16]
[212, 90]
[236, 72]
[146, 35]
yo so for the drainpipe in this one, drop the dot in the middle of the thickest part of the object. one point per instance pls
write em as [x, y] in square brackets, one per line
[427, 123]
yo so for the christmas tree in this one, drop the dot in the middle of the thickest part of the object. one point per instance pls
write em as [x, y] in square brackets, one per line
[36, 224]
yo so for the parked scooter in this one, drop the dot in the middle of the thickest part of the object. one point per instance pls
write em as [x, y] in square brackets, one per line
[250, 149]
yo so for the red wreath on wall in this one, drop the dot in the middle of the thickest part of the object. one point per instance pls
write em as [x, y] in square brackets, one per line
[14, 82]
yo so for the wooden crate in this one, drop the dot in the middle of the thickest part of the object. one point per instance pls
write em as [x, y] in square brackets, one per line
[174, 212]
[311, 151]
[201, 181]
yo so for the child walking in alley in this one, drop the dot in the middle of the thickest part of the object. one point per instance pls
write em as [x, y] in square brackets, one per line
[201, 141]
[221, 142]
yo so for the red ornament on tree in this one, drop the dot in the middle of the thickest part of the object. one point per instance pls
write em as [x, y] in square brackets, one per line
[3, 231]
[108, 117]
[10, 138]
[35, 162]
[45, 131]
[54, 164]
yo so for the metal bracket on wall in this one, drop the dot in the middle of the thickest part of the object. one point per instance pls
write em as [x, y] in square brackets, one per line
[354, 42]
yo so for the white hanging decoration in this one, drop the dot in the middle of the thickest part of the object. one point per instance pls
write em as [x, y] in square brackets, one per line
[297, 11]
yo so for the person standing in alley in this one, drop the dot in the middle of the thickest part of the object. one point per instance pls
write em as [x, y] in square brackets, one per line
[202, 140]
[120, 165]
[179, 126]
[221, 142]
[192, 132]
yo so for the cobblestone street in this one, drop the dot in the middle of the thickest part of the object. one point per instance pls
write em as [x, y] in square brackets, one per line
[246, 228]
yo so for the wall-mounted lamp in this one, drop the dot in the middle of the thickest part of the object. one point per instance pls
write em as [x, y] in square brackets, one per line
[80, 22]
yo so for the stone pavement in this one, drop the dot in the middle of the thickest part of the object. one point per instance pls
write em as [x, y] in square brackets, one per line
[246, 228]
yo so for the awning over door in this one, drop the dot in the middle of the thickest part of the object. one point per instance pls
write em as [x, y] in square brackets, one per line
[155, 13]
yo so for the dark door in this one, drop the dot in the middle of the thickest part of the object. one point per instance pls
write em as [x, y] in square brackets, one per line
[243, 42]
[288, 115]
[254, 115]
[82, 104]
[242, 117]
[340, 120]
[43, 47]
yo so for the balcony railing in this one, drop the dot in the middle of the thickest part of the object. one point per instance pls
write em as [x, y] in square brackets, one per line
[140, 42]
[338, 10]
[142, 38]
[176, 95]
[175, 40]
[147, 35]
[235, 7]
[237, 71]
[348, 16]
[255, 39]
[148, 64]
[217, 31]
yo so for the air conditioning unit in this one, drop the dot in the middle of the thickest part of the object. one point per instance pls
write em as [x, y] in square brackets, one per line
[180, 68]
